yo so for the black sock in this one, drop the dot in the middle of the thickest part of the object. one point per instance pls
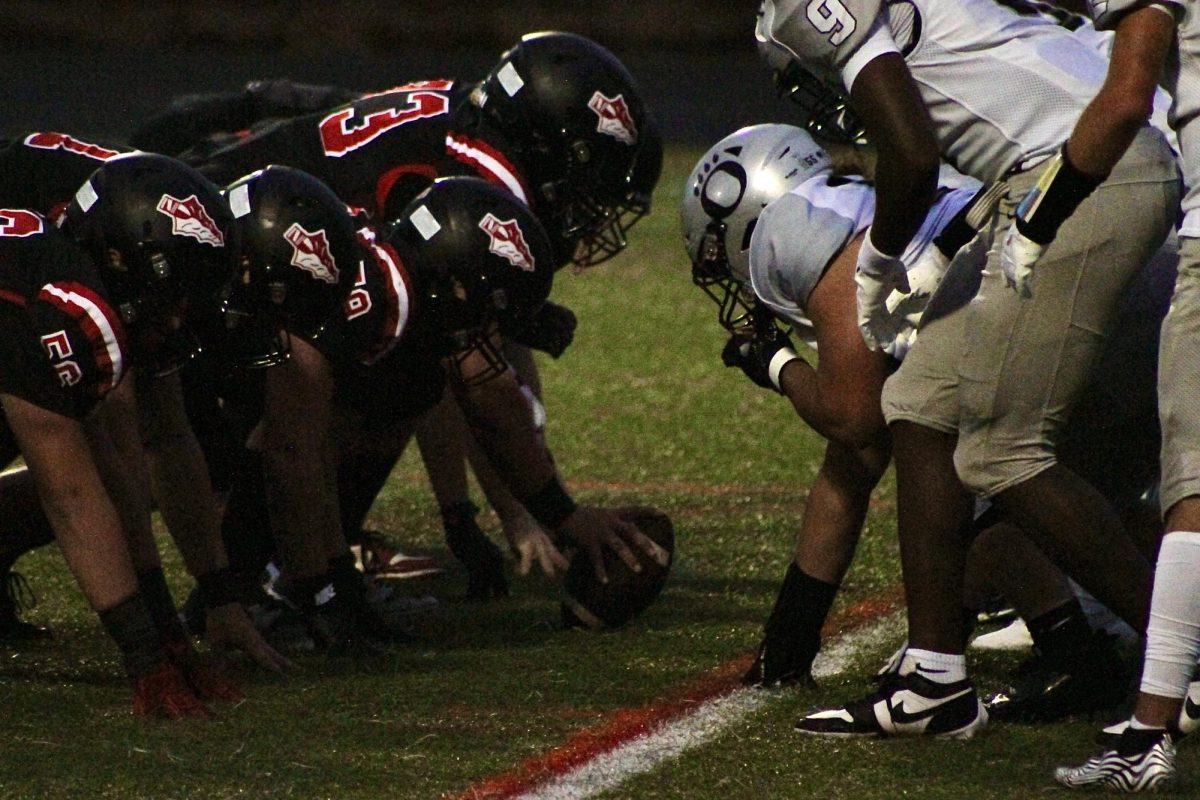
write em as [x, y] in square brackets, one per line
[130, 626]
[1062, 633]
[152, 585]
[307, 593]
[801, 606]
[346, 579]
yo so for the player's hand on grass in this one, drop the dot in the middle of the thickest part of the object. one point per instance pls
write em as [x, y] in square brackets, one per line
[530, 545]
[228, 628]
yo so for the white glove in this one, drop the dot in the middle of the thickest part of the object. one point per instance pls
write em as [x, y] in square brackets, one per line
[877, 275]
[906, 309]
[1017, 259]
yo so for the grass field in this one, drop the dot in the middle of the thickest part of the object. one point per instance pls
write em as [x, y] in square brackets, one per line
[640, 411]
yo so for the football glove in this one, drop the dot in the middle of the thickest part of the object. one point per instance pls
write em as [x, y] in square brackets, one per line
[1043, 210]
[877, 275]
[761, 357]
[551, 330]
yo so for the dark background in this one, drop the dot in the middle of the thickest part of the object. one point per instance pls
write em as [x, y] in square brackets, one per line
[96, 68]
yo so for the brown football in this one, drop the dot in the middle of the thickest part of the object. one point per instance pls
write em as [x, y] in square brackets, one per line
[587, 603]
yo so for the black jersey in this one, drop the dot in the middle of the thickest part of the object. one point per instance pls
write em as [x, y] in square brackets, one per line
[377, 152]
[42, 170]
[62, 346]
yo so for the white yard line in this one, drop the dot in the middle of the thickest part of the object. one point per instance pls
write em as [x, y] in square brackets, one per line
[711, 718]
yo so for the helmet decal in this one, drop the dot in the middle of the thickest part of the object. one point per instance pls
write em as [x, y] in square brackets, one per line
[615, 119]
[61, 141]
[508, 241]
[19, 223]
[310, 252]
[190, 218]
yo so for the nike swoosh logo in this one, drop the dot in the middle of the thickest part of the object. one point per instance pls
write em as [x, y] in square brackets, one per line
[1191, 708]
[914, 708]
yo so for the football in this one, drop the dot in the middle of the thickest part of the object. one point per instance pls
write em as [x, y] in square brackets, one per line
[587, 603]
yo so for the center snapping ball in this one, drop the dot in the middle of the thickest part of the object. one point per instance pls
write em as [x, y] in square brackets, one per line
[588, 603]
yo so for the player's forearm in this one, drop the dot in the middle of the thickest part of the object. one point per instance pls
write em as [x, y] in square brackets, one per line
[1111, 121]
[834, 414]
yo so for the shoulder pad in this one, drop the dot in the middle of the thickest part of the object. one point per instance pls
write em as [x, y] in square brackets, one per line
[821, 34]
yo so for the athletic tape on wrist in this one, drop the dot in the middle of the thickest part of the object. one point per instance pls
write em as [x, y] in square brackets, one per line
[1059, 191]
[871, 259]
[782, 358]
[550, 505]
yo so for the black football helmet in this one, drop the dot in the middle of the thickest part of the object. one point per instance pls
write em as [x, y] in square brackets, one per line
[164, 240]
[577, 123]
[481, 262]
[300, 258]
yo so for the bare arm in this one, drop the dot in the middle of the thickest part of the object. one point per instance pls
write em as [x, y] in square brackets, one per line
[887, 100]
[1121, 107]
[300, 464]
[839, 398]
[85, 522]
[179, 475]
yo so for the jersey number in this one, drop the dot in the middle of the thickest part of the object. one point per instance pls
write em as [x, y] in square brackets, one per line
[58, 348]
[341, 133]
[358, 302]
[830, 16]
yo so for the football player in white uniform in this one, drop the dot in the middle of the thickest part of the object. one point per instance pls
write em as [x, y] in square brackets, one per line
[763, 211]
[1155, 42]
[982, 397]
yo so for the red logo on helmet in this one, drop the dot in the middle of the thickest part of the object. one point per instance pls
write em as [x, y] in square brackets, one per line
[19, 223]
[190, 218]
[508, 241]
[310, 252]
[615, 119]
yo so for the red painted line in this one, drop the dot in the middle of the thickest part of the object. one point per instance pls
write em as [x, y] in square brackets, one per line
[626, 724]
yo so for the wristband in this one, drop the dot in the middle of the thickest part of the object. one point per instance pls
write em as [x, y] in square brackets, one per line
[782, 357]
[1059, 191]
[218, 587]
[871, 260]
[550, 505]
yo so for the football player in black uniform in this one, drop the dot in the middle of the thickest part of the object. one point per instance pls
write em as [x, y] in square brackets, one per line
[160, 232]
[422, 305]
[558, 122]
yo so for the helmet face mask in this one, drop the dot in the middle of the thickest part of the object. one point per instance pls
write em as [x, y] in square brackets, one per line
[574, 117]
[163, 238]
[827, 113]
[300, 258]
[482, 265]
[727, 190]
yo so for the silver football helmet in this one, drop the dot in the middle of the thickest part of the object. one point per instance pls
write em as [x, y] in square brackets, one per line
[725, 193]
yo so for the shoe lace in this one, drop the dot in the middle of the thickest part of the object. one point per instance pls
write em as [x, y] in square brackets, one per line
[18, 593]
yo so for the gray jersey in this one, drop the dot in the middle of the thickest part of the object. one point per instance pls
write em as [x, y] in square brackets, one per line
[799, 234]
[1003, 90]
[1182, 82]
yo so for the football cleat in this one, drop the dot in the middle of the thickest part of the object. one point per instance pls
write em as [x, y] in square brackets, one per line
[1142, 761]
[164, 692]
[1045, 689]
[374, 556]
[783, 661]
[904, 705]
[336, 628]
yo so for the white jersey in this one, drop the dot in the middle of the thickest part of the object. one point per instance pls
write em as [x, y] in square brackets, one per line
[1003, 90]
[1182, 82]
[799, 234]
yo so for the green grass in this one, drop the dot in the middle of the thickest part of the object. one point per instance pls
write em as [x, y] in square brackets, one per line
[640, 411]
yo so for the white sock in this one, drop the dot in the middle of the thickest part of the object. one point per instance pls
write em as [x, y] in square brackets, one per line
[1173, 636]
[937, 667]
